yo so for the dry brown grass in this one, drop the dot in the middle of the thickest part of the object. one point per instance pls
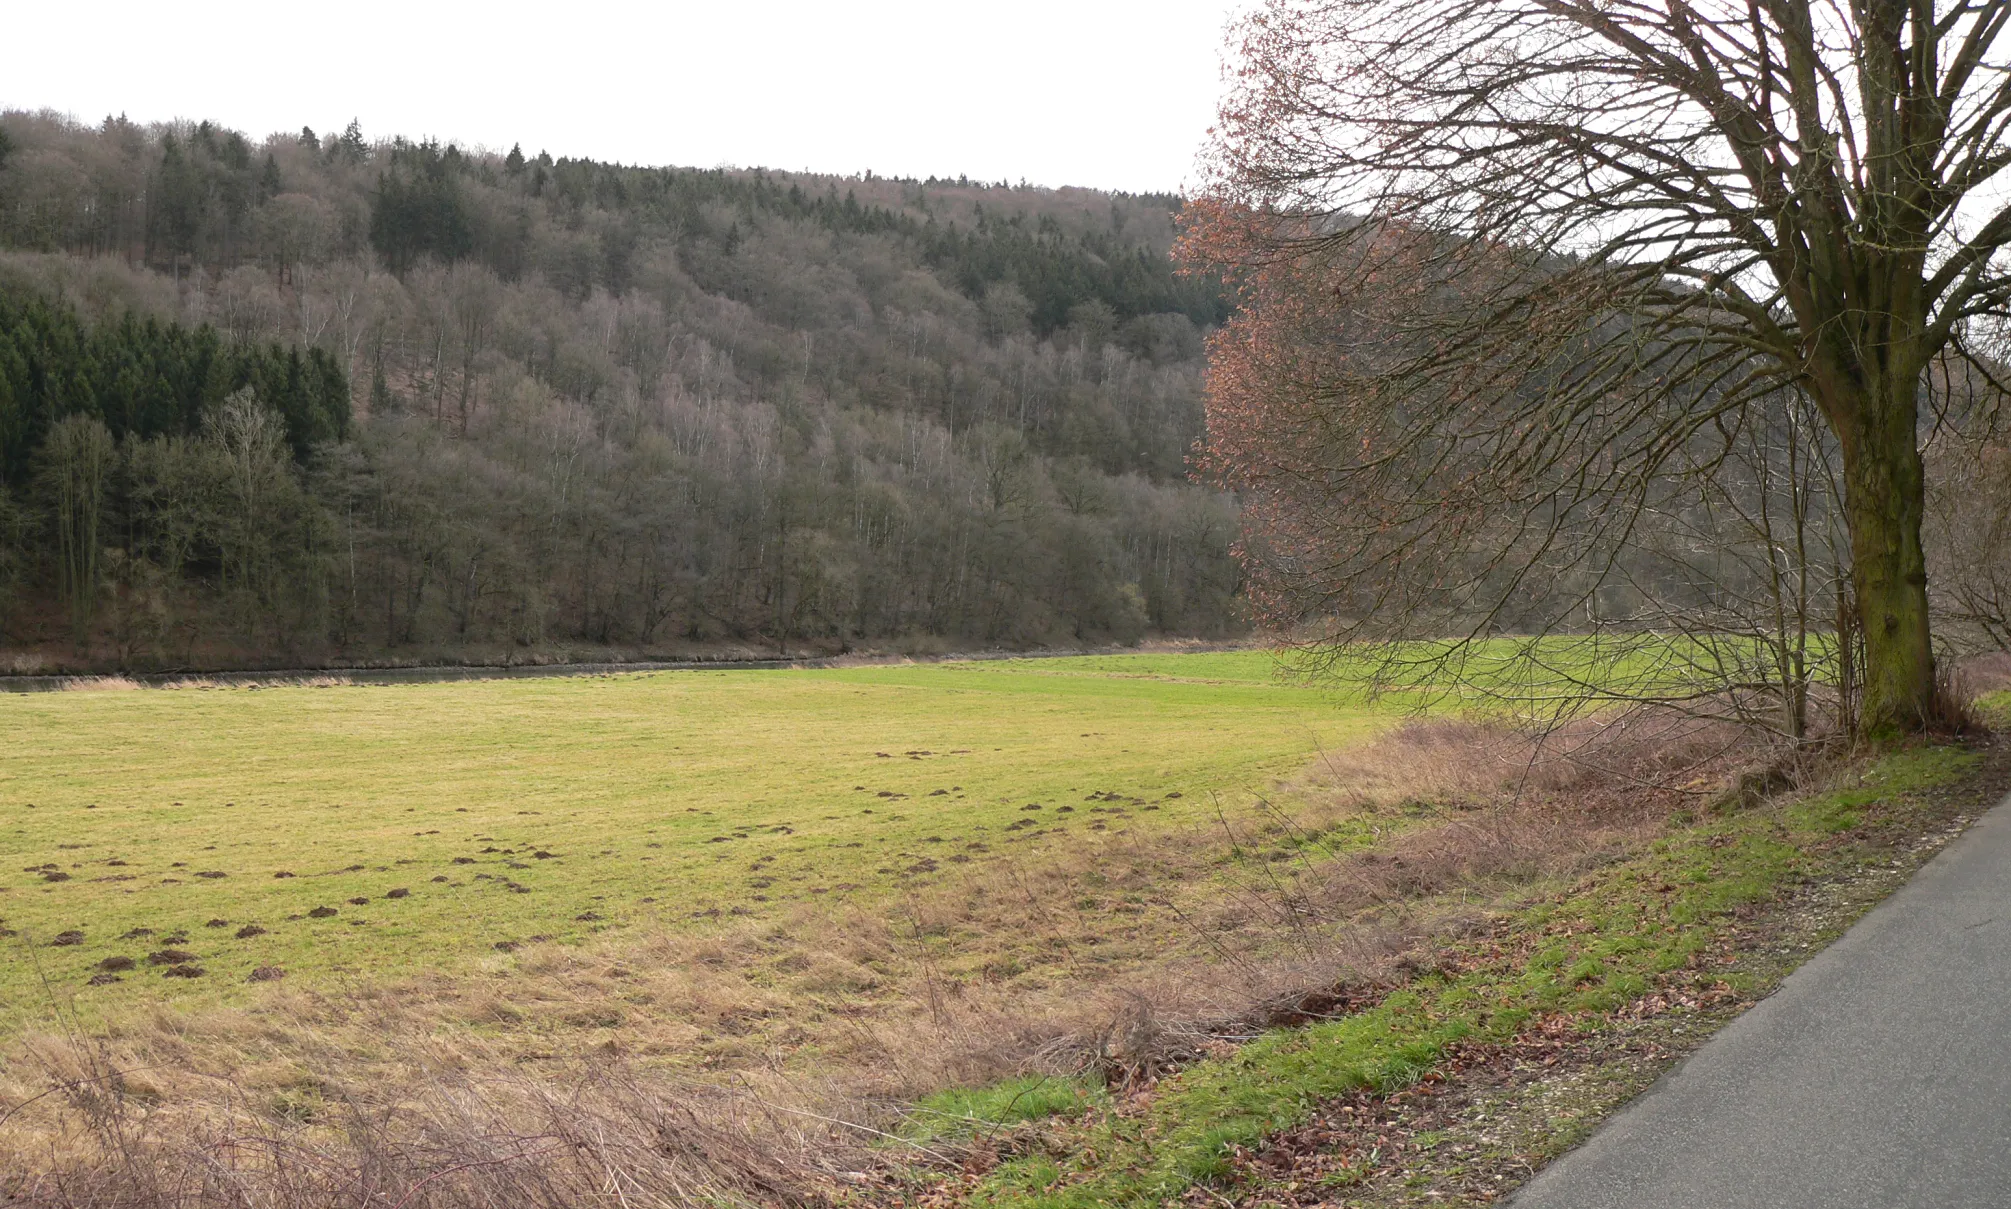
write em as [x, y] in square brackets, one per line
[318, 680]
[123, 684]
[752, 1061]
[594, 1133]
[100, 684]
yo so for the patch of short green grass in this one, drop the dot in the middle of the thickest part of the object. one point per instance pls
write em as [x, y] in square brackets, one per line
[964, 1112]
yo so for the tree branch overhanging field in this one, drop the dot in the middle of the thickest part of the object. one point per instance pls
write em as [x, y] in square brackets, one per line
[1512, 268]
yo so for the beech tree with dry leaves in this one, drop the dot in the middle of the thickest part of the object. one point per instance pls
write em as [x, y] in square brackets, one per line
[1507, 264]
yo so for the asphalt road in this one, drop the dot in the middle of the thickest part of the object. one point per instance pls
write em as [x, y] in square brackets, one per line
[1878, 1075]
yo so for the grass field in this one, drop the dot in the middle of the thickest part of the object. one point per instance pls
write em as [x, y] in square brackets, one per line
[347, 832]
[1074, 931]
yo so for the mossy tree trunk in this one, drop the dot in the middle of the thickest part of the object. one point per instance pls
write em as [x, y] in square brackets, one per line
[1867, 378]
[1884, 498]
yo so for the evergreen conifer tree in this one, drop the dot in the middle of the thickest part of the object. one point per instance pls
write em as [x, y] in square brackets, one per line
[351, 146]
[381, 400]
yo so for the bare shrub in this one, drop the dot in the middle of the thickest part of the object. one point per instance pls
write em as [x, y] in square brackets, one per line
[1606, 761]
[1985, 674]
[1954, 706]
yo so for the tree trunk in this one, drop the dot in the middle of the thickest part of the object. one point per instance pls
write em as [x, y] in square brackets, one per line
[1884, 500]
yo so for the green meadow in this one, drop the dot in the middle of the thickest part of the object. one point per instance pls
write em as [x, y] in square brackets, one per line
[350, 832]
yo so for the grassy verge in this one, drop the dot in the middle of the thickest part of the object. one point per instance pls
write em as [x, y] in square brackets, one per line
[1668, 932]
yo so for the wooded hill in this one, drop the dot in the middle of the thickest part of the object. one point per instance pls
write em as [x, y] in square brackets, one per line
[586, 405]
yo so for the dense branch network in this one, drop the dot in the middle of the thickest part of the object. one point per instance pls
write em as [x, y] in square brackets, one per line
[1517, 272]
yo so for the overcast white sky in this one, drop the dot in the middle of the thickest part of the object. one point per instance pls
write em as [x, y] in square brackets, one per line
[1111, 93]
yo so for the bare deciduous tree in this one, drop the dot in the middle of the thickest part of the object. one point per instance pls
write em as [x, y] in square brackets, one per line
[1588, 231]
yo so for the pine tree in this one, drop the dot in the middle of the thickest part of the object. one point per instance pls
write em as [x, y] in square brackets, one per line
[351, 146]
[381, 400]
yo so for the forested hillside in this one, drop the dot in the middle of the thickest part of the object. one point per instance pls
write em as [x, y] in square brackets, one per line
[324, 398]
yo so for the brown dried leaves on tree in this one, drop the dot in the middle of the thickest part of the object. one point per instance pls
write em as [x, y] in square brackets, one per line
[1514, 268]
